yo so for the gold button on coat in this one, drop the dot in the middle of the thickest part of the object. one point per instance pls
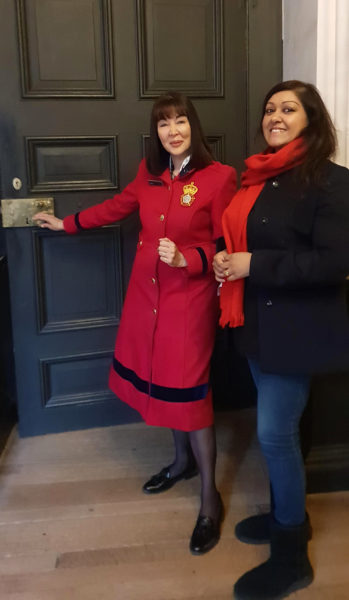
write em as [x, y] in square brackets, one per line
[162, 217]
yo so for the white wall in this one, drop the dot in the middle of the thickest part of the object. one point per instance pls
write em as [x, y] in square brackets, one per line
[333, 68]
[299, 39]
[316, 50]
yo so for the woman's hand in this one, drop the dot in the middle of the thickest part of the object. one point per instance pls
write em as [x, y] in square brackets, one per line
[219, 261]
[170, 254]
[48, 221]
[228, 267]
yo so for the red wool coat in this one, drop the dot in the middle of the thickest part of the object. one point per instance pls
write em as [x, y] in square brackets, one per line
[167, 329]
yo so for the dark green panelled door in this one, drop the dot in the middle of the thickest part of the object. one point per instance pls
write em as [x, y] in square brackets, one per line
[77, 82]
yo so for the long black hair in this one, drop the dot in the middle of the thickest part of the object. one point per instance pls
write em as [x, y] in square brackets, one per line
[319, 135]
[165, 106]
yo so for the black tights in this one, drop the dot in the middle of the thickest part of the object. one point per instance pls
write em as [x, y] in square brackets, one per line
[199, 446]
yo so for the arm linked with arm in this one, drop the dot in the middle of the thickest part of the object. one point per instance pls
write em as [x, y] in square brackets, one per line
[199, 259]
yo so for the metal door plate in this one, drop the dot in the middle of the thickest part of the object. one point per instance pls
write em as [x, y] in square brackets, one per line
[18, 212]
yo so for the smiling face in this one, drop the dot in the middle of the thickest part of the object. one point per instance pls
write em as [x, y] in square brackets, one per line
[284, 119]
[175, 135]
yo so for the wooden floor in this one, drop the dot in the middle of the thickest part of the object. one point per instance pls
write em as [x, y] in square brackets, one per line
[74, 524]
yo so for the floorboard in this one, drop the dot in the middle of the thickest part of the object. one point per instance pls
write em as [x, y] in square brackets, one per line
[74, 523]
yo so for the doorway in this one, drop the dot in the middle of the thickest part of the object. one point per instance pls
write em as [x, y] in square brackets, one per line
[78, 80]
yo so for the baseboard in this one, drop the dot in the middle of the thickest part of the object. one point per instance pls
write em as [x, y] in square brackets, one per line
[327, 468]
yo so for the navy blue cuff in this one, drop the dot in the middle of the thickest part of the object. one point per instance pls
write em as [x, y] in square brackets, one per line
[203, 258]
[220, 244]
[77, 221]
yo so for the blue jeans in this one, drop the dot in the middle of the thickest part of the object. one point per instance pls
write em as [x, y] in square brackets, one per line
[281, 400]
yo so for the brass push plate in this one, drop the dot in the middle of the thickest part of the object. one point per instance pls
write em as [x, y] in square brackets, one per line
[18, 212]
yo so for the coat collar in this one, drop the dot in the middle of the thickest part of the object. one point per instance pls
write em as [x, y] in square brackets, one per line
[166, 175]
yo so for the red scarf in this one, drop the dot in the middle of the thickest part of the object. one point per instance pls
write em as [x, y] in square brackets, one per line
[260, 167]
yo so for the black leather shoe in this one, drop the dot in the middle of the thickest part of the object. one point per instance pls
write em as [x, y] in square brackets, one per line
[163, 481]
[206, 533]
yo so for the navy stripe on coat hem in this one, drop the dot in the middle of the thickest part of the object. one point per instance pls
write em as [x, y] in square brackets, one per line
[203, 258]
[159, 392]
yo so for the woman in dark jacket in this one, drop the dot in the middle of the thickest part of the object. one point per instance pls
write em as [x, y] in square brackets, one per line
[282, 279]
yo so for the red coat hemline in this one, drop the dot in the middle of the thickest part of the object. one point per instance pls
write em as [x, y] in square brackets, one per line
[185, 416]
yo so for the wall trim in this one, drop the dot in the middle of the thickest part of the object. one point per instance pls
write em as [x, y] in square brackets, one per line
[327, 468]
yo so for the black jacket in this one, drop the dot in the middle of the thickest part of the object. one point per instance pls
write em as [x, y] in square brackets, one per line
[296, 315]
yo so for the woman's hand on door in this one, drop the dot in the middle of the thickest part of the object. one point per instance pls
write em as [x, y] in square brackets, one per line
[49, 221]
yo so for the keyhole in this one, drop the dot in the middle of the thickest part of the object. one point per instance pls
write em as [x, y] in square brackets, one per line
[16, 183]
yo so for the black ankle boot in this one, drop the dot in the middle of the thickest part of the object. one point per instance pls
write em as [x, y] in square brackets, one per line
[256, 529]
[288, 569]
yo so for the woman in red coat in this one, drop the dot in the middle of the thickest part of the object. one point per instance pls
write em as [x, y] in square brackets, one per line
[166, 335]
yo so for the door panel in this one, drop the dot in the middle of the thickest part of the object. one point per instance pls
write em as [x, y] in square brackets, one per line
[80, 293]
[167, 33]
[68, 163]
[77, 79]
[66, 314]
[53, 64]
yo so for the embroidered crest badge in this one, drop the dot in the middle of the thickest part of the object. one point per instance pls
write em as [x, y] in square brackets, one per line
[188, 196]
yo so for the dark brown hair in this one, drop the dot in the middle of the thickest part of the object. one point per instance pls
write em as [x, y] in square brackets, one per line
[157, 158]
[319, 135]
